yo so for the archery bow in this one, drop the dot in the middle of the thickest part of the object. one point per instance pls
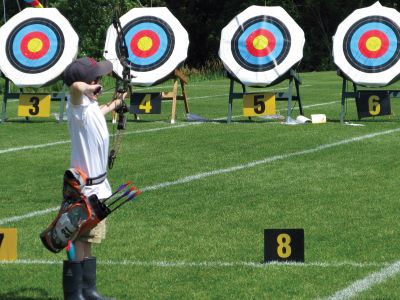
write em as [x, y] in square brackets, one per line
[122, 86]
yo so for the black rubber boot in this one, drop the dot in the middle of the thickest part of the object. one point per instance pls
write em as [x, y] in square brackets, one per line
[89, 280]
[72, 280]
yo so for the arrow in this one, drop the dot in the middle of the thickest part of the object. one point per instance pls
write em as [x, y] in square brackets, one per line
[131, 197]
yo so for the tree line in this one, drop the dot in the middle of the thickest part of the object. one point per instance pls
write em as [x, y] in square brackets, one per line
[204, 20]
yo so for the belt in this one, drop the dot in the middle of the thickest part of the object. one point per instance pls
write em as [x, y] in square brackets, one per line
[96, 180]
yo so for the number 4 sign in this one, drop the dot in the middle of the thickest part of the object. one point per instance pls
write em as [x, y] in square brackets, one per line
[283, 245]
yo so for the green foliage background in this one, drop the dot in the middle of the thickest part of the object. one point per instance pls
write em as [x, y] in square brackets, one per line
[204, 20]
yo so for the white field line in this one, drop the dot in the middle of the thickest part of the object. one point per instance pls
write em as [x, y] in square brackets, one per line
[252, 164]
[30, 147]
[366, 283]
[204, 264]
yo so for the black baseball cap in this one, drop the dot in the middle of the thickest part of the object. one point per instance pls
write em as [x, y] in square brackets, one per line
[86, 69]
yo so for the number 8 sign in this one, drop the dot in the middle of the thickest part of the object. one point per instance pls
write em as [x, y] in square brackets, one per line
[283, 245]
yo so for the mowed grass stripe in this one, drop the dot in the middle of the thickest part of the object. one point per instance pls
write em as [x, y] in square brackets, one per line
[50, 144]
[199, 176]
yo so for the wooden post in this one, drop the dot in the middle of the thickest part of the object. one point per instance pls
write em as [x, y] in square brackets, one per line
[173, 95]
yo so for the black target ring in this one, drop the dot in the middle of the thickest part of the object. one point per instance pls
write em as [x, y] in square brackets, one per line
[158, 45]
[389, 34]
[266, 62]
[40, 28]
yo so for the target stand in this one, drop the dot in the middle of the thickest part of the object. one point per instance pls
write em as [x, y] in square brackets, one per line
[294, 83]
[369, 102]
[150, 102]
[32, 104]
[178, 77]
[366, 51]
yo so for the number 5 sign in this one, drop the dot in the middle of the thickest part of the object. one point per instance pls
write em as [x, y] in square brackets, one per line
[283, 245]
[259, 104]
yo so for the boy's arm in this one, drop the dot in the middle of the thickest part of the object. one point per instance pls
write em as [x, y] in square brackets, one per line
[113, 104]
[78, 89]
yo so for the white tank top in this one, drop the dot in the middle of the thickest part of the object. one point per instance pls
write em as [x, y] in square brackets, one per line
[89, 143]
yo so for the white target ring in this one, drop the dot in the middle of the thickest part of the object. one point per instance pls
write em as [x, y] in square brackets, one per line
[157, 44]
[261, 44]
[36, 46]
[366, 46]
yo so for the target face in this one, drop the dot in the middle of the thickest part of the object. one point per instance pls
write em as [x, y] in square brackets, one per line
[260, 45]
[156, 41]
[37, 46]
[367, 44]
[372, 44]
[150, 43]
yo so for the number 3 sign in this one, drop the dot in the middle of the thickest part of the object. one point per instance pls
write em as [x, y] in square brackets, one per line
[34, 105]
[283, 245]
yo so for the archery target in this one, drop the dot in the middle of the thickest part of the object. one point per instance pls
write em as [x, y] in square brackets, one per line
[38, 45]
[151, 42]
[261, 44]
[367, 46]
[156, 41]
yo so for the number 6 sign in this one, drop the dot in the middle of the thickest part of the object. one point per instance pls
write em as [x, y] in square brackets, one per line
[283, 245]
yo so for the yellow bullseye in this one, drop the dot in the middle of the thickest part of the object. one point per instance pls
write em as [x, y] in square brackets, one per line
[35, 45]
[373, 44]
[260, 42]
[145, 43]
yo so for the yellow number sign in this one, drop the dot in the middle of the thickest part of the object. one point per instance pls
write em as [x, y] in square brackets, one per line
[8, 244]
[34, 105]
[259, 104]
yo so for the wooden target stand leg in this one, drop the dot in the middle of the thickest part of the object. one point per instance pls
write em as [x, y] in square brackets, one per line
[178, 77]
[58, 96]
[288, 96]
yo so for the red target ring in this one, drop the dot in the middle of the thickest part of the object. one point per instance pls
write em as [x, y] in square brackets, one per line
[145, 43]
[35, 45]
[260, 43]
[373, 44]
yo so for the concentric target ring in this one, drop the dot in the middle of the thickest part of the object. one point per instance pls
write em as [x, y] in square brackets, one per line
[150, 43]
[372, 44]
[35, 45]
[261, 43]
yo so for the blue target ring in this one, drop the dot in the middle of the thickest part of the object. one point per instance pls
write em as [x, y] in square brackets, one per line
[35, 45]
[372, 44]
[150, 42]
[261, 43]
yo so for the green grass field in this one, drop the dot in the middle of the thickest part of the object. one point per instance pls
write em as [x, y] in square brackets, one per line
[210, 190]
